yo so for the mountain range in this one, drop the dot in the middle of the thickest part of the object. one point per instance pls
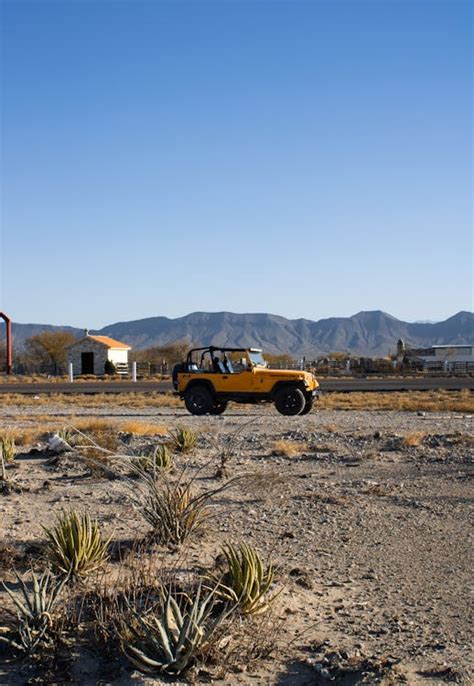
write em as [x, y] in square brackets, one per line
[366, 333]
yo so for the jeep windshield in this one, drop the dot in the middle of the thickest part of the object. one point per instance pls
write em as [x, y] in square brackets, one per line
[256, 357]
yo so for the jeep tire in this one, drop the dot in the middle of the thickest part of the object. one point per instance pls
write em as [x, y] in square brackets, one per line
[308, 405]
[198, 399]
[290, 400]
[219, 407]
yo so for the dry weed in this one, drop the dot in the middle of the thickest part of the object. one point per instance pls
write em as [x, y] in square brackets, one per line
[414, 438]
[376, 489]
[28, 436]
[239, 645]
[330, 428]
[94, 424]
[286, 448]
[141, 428]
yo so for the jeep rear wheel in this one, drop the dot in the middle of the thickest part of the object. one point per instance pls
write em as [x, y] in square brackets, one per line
[219, 408]
[198, 399]
[290, 401]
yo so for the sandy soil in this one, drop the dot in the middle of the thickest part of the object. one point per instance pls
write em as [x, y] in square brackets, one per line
[372, 538]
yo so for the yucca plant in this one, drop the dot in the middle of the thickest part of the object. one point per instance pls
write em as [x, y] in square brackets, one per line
[167, 638]
[183, 440]
[245, 581]
[34, 610]
[160, 458]
[7, 447]
[75, 546]
[172, 510]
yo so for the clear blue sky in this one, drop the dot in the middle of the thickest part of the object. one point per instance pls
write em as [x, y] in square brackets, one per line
[308, 159]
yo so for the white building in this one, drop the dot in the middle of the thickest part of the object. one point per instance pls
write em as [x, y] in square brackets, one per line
[454, 353]
[90, 355]
[449, 357]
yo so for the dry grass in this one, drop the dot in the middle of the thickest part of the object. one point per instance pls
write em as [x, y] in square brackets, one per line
[414, 438]
[143, 428]
[27, 436]
[428, 401]
[93, 424]
[98, 438]
[129, 400]
[286, 448]
[48, 378]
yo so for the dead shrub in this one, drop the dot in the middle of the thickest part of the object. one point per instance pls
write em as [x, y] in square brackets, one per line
[228, 447]
[286, 448]
[238, 646]
[330, 428]
[414, 439]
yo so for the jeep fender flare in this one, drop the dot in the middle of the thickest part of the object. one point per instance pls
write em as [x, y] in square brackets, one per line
[287, 384]
[200, 382]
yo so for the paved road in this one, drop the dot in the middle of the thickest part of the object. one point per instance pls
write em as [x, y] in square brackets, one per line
[342, 385]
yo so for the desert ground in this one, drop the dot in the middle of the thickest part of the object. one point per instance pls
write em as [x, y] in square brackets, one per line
[365, 513]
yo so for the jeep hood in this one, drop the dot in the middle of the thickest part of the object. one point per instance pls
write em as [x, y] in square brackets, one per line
[285, 373]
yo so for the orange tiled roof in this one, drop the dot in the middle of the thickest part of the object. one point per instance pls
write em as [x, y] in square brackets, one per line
[110, 342]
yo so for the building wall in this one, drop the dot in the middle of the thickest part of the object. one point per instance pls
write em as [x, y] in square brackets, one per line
[118, 356]
[88, 346]
[458, 354]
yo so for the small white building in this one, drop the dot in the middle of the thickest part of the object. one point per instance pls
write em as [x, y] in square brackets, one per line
[446, 357]
[91, 355]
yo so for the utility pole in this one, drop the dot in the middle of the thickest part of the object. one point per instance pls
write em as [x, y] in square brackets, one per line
[8, 323]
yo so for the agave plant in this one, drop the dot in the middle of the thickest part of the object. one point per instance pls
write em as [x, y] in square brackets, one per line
[7, 447]
[75, 546]
[34, 610]
[183, 440]
[245, 580]
[167, 638]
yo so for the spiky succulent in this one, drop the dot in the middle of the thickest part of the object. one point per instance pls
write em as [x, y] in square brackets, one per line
[75, 545]
[245, 581]
[7, 447]
[34, 610]
[69, 435]
[173, 510]
[160, 458]
[183, 440]
[167, 638]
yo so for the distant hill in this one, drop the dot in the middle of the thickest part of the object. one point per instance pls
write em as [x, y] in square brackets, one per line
[366, 333]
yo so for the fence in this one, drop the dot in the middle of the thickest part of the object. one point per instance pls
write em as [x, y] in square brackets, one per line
[356, 367]
[363, 367]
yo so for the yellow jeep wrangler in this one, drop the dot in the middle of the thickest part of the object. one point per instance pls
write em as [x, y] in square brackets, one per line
[210, 377]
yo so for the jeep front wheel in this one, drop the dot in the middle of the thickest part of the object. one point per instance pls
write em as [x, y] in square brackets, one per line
[198, 400]
[290, 401]
[308, 405]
